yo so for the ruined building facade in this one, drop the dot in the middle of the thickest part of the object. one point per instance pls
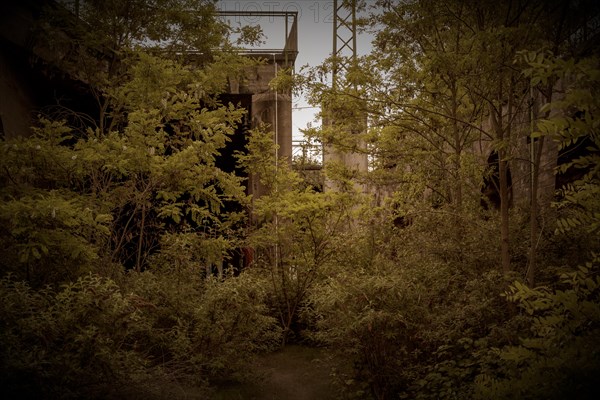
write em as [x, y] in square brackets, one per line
[30, 82]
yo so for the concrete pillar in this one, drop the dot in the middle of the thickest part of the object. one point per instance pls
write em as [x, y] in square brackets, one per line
[275, 110]
[271, 108]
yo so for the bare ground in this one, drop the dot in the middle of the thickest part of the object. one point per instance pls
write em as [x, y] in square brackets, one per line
[293, 373]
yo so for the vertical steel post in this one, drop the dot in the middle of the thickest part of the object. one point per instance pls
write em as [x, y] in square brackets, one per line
[335, 49]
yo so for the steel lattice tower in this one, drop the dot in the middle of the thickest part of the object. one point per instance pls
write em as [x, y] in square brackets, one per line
[344, 37]
[343, 57]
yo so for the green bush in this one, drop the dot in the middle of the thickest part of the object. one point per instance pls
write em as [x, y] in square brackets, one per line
[206, 330]
[77, 341]
[91, 337]
[560, 356]
[375, 320]
[408, 305]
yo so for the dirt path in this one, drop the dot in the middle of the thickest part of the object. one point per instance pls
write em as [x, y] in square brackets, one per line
[293, 373]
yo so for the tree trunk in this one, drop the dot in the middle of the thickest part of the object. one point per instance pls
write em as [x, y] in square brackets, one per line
[536, 160]
[138, 261]
[457, 159]
[497, 125]
[504, 217]
[533, 223]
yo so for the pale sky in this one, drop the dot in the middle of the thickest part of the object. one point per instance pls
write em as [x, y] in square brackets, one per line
[315, 40]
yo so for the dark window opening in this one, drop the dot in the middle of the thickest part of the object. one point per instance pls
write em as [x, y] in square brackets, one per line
[490, 190]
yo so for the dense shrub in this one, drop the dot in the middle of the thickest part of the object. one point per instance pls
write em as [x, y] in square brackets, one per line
[408, 305]
[207, 330]
[91, 338]
[77, 341]
[560, 355]
[374, 319]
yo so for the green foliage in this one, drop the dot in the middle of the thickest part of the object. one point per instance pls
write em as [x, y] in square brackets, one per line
[299, 233]
[91, 337]
[50, 232]
[404, 287]
[79, 340]
[261, 160]
[118, 193]
[47, 230]
[417, 307]
[374, 318]
[284, 81]
[204, 330]
[136, 187]
[561, 355]
[405, 305]
[572, 123]
[175, 25]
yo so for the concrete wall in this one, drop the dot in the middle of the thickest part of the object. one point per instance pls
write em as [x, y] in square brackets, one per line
[17, 97]
[520, 153]
[17, 91]
[268, 107]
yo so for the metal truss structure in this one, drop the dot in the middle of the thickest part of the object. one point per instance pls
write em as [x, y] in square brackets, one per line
[344, 37]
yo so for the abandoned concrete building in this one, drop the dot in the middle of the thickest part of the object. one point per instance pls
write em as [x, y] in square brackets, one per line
[30, 83]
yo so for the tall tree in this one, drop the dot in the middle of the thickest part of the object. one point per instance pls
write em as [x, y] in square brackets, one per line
[443, 91]
[145, 166]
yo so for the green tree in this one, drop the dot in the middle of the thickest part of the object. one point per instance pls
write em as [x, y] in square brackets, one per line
[93, 41]
[147, 165]
[157, 175]
[441, 92]
[135, 187]
[441, 69]
[297, 231]
[559, 354]
[405, 306]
